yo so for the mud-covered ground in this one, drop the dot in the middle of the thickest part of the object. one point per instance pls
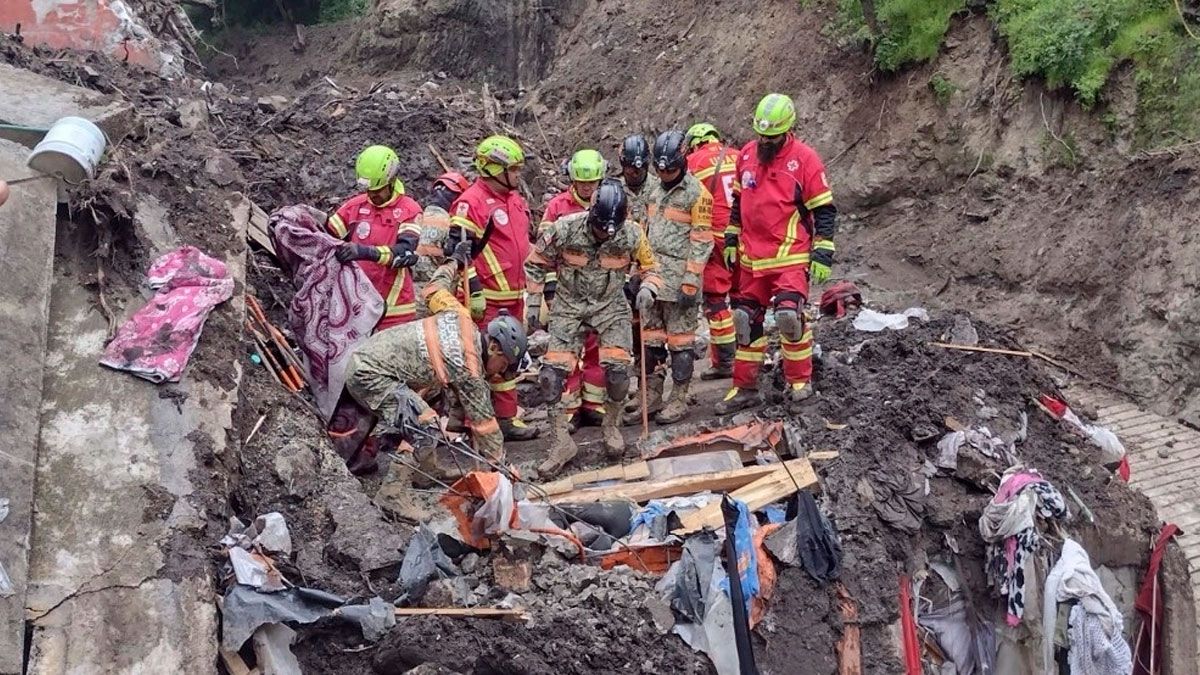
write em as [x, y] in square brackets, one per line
[196, 144]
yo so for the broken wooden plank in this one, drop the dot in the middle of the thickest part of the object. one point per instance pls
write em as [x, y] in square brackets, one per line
[666, 468]
[256, 220]
[822, 455]
[234, 664]
[624, 472]
[467, 612]
[720, 481]
[746, 435]
[766, 490]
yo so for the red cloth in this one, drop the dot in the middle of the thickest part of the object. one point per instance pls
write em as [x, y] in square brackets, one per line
[156, 342]
[501, 264]
[835, 298]
[361, 222]
[588, 370]
[908, 629]
[702, 163]
[1149, 604]
[774, 234]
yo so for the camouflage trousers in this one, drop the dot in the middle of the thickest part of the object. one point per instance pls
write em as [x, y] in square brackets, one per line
[671, 325]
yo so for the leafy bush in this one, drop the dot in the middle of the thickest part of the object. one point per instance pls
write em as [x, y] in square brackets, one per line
[943, 88]
[911, 31]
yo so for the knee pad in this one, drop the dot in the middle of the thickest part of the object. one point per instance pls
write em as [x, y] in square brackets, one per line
[655, 357]
[790, 322]
[616, 382]
[682, 366]
[552, 381]
[741, 325]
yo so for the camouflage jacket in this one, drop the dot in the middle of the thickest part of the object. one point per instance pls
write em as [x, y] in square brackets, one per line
[591, 274]
[438, 353]
[679, 227]
[637, 198]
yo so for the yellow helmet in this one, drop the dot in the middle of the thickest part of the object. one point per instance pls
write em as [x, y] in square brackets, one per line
[586, 166]
[377, 167]
[774, 115]
[700, 133]
[496, 154]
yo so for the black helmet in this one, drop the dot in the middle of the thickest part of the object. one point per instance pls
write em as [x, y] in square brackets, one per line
[608, 208]
[670, 151]
[510, 335]
[635, 151]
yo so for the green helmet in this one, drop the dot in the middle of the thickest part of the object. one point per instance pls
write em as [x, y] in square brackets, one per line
[586, 166]
[496, 154]
[774, 115]
[377, 167]
[701, 133]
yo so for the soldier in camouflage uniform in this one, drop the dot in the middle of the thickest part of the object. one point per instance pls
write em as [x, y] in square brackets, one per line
[391, 372]
[679, 227]
[639, 183]
[592, 253]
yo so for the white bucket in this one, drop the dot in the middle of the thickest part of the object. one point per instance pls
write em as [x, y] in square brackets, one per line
[70, 150]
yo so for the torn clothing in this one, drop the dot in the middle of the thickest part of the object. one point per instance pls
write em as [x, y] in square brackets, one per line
[1008, 524]
[441, 352]
[1097, 645]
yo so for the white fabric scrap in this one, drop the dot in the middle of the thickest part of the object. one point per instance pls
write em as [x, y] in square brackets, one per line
[1097, 645]
[870, 321]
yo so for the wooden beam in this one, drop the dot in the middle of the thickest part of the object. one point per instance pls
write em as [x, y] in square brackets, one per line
[720, 481]
[766, 490]
[625, 472]
[822, 455]
[234, 663]
[465, 612]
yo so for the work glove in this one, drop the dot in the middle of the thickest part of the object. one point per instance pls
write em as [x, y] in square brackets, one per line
[533, 322]
[409, 407]
[689, 296]
[820, 266]
[632, 285]
[645, 299]
[404, 254]
[461, 254]
[729, 254]
[349, 252]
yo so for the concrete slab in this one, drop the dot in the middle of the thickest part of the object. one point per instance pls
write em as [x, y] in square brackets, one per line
[119, 576]
[26, 253]
[43, 100]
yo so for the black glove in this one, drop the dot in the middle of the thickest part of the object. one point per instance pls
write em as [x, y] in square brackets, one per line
[632, 285]
[822, 256]
[404, 254]
[687, 301]
[348, 252]
[461, 254]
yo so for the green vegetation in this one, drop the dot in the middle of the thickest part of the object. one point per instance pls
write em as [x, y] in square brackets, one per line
[336, 10]
[910, 31]
[1076, 44]
[257, 13]
[942, 88]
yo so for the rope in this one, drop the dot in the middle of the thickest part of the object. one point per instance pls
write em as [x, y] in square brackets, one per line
[1183, 20]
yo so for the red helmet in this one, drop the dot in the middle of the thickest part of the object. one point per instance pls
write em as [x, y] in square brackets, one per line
[454, 182]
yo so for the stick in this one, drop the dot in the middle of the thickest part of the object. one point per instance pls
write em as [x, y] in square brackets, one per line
[257, 426]
[642, 379]
[476, 612]
[438, 156]
[988, 350]
[1040, 356]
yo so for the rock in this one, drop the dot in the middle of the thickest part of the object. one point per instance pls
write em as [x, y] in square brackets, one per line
[1162, 452]
[660, 613]
[431, 669]
[469, 563]
[272, 104]
[295, 465]
[222, 169]
[452, 592]
[273, 533]
[429, 87]
[361, 535]
[963, 332]
[153, 225]
[512, 574]
[193, 115]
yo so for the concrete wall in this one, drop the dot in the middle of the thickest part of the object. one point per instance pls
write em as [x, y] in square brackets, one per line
[109, 26]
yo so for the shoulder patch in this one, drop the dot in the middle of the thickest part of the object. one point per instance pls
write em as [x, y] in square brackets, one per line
[501, 217]
[793, 165]
[462, 209]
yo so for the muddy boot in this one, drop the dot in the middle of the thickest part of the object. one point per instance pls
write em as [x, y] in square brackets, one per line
[516, 430]
[654, 400]
[562, 446]
[677, 407]
[723, 368]
[797, 394]
[396, 492]
[737, 399]
[610, 429]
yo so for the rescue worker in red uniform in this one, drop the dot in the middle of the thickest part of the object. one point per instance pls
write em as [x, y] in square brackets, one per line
[381, 226]
[780, 232]
[496, 218]
[583, 399]
[714, 164]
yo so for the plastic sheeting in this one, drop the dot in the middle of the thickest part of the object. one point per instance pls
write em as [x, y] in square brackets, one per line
[423, 562]
[809, 540]
[871, 321]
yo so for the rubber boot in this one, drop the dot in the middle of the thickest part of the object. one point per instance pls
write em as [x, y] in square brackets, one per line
[514, 429]
[797, 394]
[722, 369]
[562, 446]
[396, 492]
[677, 407]
[610, 430]
[737, 399]
[654, 399]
